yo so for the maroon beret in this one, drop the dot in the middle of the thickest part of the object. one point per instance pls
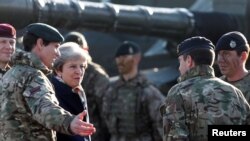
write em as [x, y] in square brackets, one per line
[7, 30]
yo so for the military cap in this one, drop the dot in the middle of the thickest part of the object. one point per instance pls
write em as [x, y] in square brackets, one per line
[127, 48]
[193, 43]
[45, 32]
[7, 30]
[232, 41]
[77, 38]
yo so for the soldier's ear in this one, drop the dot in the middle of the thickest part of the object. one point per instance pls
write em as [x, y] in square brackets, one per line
[39, 43]
[137, 58]
[244, 56]
[189, 61]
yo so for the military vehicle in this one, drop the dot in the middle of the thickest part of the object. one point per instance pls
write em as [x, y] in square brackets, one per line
[157, 29]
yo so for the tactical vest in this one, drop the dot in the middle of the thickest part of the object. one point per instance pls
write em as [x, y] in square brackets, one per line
[128, 115]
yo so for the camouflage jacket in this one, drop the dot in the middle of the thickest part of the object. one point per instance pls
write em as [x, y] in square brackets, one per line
[95, 83]
[131, 110]
[29, 108]
[3, 71]
[242, 84]
[198, 100]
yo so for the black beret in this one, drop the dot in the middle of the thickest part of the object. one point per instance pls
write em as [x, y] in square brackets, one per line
[193, 43]
[45, 32]
[127, 48]
[232, 41]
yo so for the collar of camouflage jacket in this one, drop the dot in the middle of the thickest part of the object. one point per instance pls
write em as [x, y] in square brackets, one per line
[139, 79]
[28, 58]
[201, 70]
[5, 69]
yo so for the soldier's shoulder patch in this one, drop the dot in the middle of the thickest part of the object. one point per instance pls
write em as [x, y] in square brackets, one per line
[35, 90]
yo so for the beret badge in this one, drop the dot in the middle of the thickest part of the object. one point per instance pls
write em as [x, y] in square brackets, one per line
[232, 44]
[127, 48]
[131, 50]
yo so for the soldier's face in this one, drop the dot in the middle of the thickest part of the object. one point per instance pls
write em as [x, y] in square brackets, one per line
[228, 62]
[49, 53]
[73, 71]
[7, 48]
[125, 63]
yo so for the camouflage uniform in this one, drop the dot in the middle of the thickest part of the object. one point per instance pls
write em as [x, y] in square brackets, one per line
[242, 84]
[198, 100]
[3, 71]
[95, 83]
[131, 110]
[29, 108]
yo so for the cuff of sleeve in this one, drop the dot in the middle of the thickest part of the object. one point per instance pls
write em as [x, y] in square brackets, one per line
[67, 121]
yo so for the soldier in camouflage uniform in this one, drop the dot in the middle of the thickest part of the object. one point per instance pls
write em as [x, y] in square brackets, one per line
[232, 51]
[95, 83]
[7, 46]
[29, 108]
[200, 99]
[131, 105]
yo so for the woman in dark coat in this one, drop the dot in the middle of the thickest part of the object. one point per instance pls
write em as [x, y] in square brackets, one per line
[69, 70]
